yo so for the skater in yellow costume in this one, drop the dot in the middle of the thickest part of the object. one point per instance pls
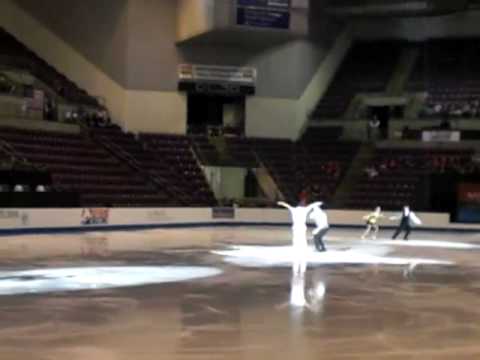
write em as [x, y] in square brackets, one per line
[372, 223]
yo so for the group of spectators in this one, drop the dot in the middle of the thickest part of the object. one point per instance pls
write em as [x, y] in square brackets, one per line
[430, 163]
[5, 86]
[23, 188]
[93, 117]
[96, 118]
[332, 169]
[452, 109]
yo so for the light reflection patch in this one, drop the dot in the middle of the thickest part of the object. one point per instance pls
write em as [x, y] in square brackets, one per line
[270, 256]
[92, 278]
[452, 245]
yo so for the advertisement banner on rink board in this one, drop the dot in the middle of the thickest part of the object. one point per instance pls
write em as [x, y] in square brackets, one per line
[441, 136]
[95, 216]
[223, 213]
[14, 218]
[94, 219]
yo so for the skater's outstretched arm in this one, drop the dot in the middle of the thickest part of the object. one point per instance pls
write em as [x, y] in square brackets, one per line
[284, 204]
[314, 205]
[367, 216]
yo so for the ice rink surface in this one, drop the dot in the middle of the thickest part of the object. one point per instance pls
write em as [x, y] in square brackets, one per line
[230, 293]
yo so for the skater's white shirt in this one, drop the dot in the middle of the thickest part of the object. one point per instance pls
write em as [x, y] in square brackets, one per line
[412, 218]
[299, 215]
[320, 218]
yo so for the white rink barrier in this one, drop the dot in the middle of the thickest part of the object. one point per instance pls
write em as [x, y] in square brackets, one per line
[31, 220]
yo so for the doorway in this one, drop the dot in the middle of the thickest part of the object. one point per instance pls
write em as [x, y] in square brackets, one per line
[225, 113]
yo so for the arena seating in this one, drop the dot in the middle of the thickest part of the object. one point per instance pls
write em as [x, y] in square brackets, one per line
[240, 151]
[279, 157]
[402, 176]
[168, 160]
[450, 93]
[325, 164]
[367, 68]
[13, 54]
[78, 164]
[237, 151]
[311, 165]
[176, 151]
[206, 152]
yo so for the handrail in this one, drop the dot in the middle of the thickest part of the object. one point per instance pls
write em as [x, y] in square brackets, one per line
[10, 150]
[265, 168]
[119, 152]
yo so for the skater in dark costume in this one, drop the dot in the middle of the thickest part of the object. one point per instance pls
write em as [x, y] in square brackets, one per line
[407, 219]
[320, 218]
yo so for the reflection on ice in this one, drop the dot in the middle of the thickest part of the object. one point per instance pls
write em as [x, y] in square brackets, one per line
[90, 278]
[453, 245]
[302, 296]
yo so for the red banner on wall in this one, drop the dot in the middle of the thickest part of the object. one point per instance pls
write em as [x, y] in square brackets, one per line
[469, 193]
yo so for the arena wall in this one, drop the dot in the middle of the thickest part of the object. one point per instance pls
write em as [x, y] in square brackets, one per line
[195, 17]
[285, 118]
[62, 56]
[155, 111]
[144, 111]
[137, 45]
[14, 221]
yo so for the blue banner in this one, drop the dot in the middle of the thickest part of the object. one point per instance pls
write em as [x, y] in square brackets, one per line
[274, 14]
[283, 4]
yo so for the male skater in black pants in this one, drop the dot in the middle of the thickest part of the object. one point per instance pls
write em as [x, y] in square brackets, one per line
[320, 218]
[406, 219]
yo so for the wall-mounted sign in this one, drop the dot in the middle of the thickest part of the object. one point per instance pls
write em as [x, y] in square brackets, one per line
[213, 79]
[273, 14]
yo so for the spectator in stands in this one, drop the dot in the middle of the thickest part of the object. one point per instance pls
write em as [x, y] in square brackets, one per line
[59, 89]
[5, 86]
[250, 184]
[24, 108]
[19, 188]
[48, 109]
[40, 188]
[104, 118]
[371, 172]
[445, 124]
[68, 116]
[372, 128]
[75, 117]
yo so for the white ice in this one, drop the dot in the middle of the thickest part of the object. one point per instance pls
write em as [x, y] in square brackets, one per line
[281, 256]
[453, 245]
[89, 278]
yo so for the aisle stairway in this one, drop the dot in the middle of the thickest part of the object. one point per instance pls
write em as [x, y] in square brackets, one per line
[353, 175]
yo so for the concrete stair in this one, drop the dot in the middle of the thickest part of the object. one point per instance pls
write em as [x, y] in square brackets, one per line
[353, 175]
[401, 74]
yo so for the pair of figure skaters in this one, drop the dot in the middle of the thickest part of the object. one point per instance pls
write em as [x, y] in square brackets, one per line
[407, 219]
[300, 214]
